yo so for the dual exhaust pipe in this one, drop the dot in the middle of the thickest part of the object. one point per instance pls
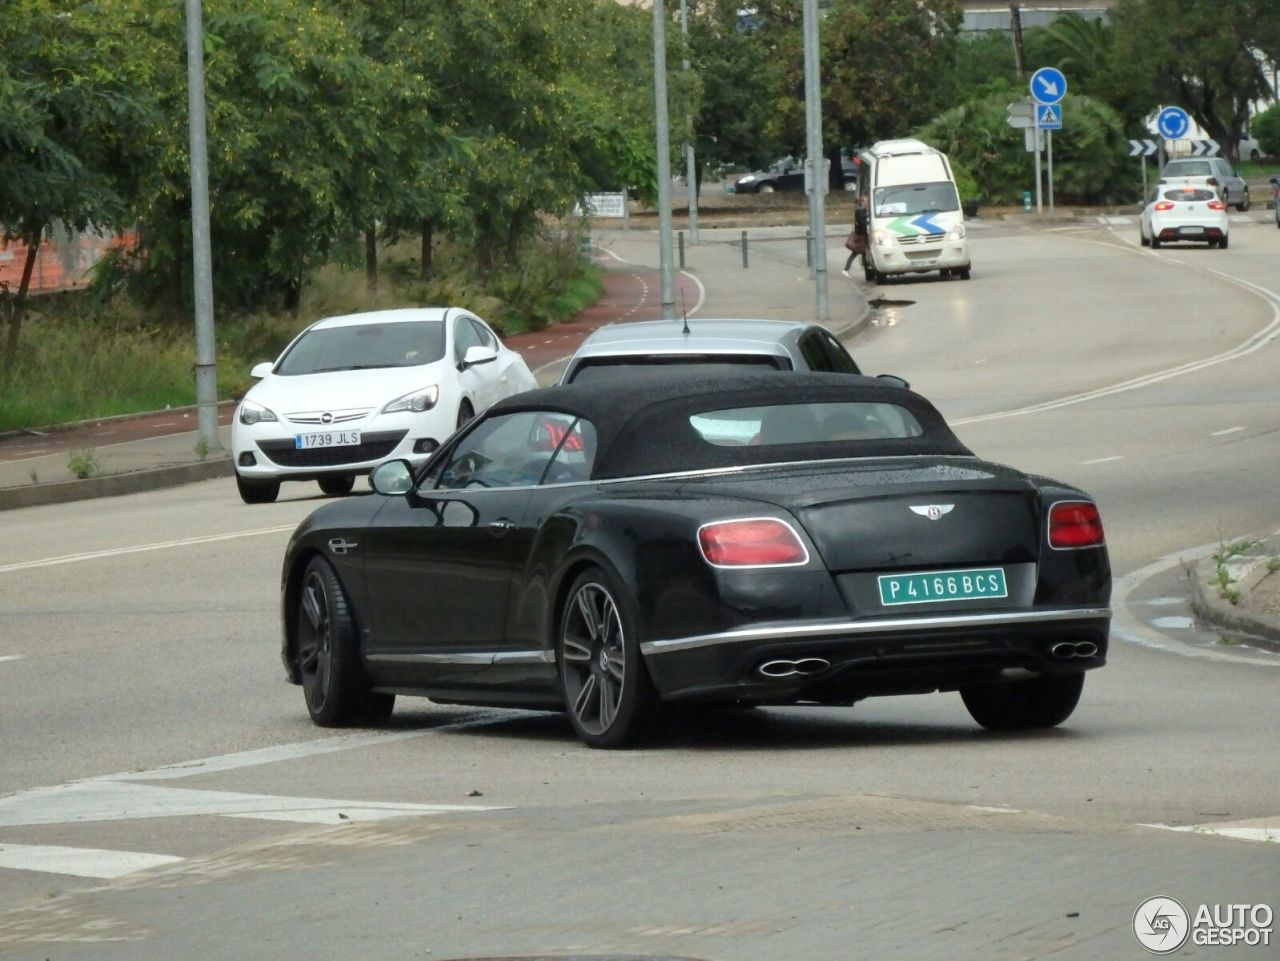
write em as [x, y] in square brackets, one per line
[1073, 649]
[804, 667]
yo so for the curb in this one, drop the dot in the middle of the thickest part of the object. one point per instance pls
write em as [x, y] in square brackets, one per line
[1223, 614]
[113, 485]
[112, 419]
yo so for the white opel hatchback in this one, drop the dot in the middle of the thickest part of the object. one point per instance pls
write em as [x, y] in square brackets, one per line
[350, 392]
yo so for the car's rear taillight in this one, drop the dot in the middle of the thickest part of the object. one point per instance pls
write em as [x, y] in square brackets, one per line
[751, 542]
[1164, 205]
[1217, 205]
[1075, 524]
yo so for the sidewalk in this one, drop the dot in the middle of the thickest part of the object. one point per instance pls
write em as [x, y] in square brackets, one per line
[148, 451]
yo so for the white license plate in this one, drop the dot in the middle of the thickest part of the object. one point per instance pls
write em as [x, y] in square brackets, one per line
[1193, 230]
[328, 438]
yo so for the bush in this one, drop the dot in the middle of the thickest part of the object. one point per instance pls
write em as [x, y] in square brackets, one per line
[1266, 130]
[1090, 163]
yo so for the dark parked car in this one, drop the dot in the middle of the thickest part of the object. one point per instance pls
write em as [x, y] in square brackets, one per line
[788, 174]
[759, 539]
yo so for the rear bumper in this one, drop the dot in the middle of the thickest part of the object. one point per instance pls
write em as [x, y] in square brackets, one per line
[894, 655]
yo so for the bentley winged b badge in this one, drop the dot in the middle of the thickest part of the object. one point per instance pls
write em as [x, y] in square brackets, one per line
[932, 511]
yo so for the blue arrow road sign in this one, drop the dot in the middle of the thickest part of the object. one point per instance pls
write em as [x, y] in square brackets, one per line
[1172, 122]
[1048, 85]
[1049, 116]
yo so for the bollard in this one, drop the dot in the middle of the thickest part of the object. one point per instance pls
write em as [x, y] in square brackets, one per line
[744, 250]
[680, 239]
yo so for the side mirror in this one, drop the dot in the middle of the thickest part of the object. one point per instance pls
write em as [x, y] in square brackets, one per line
[393, 478]
[893, 380]
[479, 354]
[259, 371]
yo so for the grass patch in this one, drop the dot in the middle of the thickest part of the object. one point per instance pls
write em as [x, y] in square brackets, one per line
[79, 361]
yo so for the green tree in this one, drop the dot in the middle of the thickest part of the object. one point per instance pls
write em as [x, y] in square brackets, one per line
[1090, 163]
[71, 113]
[1202, 55]
[1266, 130]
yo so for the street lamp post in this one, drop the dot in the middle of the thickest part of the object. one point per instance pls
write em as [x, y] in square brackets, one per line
[813, 146]
[690, 164]
[666, 265]
[206, 366]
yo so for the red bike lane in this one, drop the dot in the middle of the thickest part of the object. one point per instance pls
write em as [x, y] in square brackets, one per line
[630, 293]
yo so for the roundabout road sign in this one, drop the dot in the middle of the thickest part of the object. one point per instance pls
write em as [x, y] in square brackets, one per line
[1172, 123]
[1048, 85]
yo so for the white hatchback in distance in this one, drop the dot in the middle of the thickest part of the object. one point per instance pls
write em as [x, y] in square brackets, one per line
[1184, 213]
[350, 392]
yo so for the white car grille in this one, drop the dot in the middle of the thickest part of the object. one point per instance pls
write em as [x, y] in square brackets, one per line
[923, 239]
[328, 417]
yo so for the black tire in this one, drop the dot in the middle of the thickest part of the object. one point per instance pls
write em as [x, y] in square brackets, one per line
[1155, 242]
[608, 694]
[868, 272]
[965, 272]
[327, 644]
[256, 491]
[1244, 204]
[1222, 244]
[1021, 705]
[1142, 238]
[766, 189]
[337, 485]
[465, 413]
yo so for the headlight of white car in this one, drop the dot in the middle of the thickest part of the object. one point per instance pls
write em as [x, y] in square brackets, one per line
[956, 232]
[882, 238]
[251, 413]
[416, 401]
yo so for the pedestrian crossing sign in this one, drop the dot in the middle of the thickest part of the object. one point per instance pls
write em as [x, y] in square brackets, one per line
[1049, 116]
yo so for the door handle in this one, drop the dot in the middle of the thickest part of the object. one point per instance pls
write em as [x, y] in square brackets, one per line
[501, 525]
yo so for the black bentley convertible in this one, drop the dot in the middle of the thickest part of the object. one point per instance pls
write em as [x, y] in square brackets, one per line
[766, 539]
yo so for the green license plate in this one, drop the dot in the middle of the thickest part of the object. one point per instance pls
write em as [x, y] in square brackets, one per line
[933, 586]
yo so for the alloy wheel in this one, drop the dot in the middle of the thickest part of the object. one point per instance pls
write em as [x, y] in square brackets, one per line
[593, 649]
[315, 640]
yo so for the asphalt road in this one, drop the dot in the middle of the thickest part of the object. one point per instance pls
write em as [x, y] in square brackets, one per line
[150, 744]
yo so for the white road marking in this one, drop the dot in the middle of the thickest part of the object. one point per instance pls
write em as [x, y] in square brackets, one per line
[1229, 430]
[1236, 830]
[10, 657]
[1176, 623]
[1104, 460]
[140, 548]
[1239, 218]
[80, 862]
[1248, 346]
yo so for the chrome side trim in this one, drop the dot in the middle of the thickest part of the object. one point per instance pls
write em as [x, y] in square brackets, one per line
[481, 657]
[894, 625]
[525, 657]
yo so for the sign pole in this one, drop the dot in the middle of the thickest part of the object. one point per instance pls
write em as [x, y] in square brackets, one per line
[1049, 143]
[1144, 177]
[1036, 130]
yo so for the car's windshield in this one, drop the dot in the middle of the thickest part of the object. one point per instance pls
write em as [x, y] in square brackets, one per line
[1188, 168]
[364, 347]
[597, 369]
[907, 199]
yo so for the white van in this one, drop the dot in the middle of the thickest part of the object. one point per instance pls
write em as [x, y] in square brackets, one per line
[907, 199]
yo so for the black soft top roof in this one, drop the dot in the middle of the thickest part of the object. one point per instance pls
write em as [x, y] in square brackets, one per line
[642, 420]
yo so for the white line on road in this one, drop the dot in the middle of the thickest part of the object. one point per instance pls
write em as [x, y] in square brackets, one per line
[140, 548]
[1229, 430]
[1250, 344]
[1104, 460]
[10, 657]
[80, 862]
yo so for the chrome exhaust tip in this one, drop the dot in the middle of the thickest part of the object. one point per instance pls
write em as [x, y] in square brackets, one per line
[1073, 649]
[805, 666]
